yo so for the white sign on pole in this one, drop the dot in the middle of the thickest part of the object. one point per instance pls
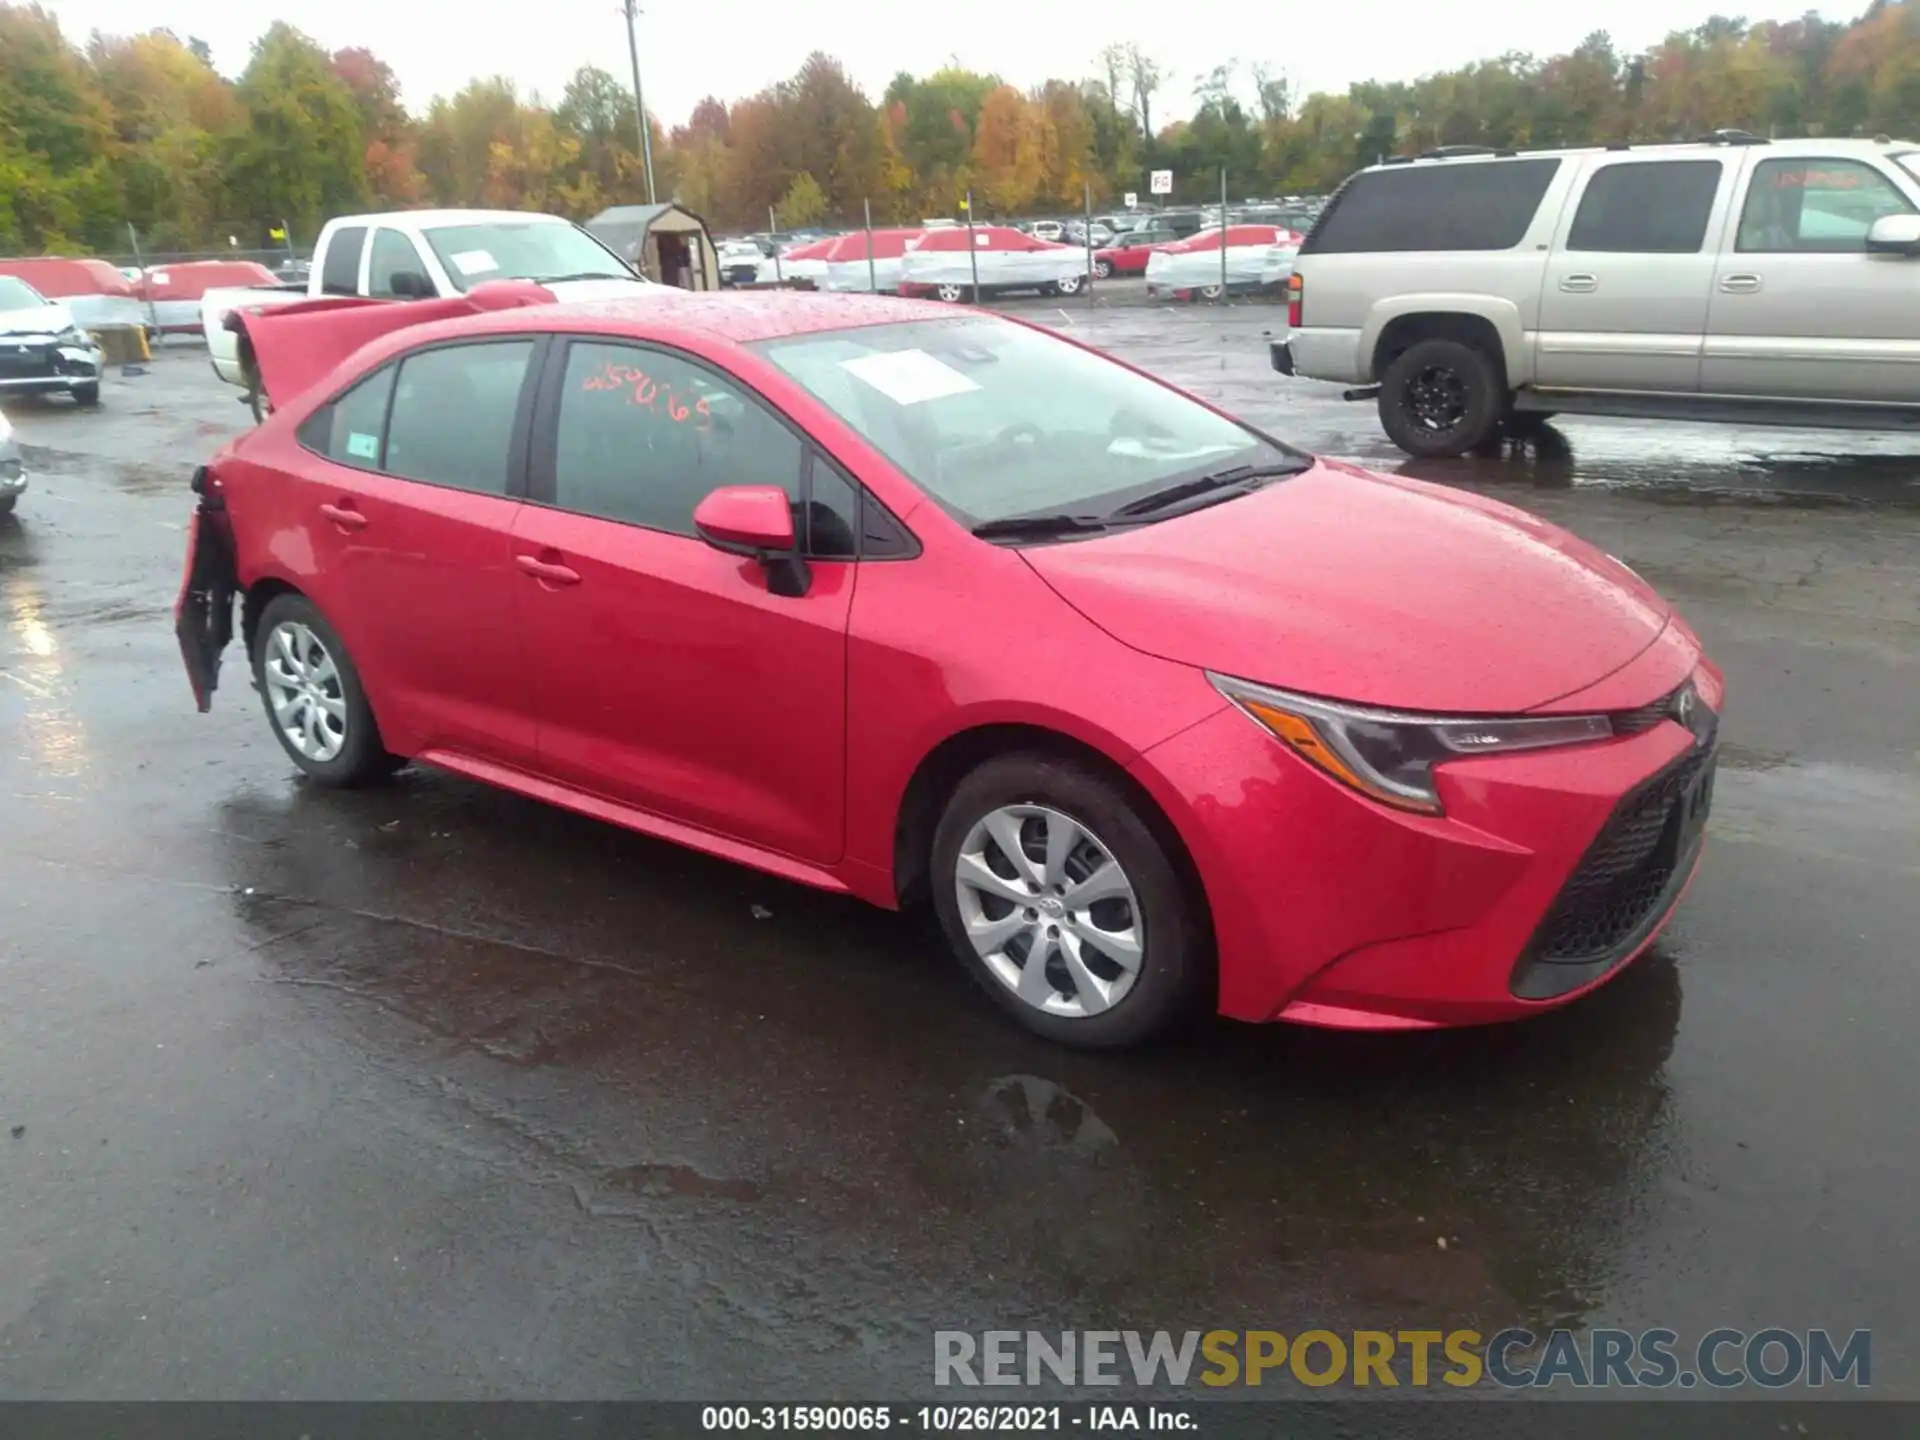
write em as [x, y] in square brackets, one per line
[1162, 182]
[1132, 199]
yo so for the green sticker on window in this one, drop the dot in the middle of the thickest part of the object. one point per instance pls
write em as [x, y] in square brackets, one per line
[363, 447]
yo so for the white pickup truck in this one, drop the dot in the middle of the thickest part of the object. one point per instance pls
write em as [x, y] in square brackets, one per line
[416, 254]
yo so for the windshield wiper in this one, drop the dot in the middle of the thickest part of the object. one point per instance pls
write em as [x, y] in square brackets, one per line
[1034, 527]
[1221, 483]
[583, 275]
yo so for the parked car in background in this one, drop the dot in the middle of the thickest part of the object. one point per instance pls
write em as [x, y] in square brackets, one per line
[1159, 712]
[43, 350]
[1257, 258]
[171, 294]
[13, 467]
[1002, 261]
[1736, 280]
[411, 254]
[1045, 229]
[94, 293]
[739, 262]
[1127, 253]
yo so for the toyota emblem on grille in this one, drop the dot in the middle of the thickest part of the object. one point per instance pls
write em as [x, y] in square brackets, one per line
[1683, 707]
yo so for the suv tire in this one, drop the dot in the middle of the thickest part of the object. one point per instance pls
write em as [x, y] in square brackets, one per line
[1441, 398]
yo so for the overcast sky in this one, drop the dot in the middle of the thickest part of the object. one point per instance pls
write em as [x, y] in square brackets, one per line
[734, 47]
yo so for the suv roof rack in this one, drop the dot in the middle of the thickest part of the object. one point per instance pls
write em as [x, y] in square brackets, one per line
[1448, 152]
[1731, 137]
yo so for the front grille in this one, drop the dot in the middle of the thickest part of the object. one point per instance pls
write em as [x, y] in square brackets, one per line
[1630, 869]
[25, 362]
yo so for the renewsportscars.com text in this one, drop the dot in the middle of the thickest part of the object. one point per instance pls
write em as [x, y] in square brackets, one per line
[1770, 1358]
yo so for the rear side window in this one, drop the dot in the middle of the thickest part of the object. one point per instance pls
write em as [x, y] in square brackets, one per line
[351, 429]
[453, 415]
[340, 271]
[1654, 207]
[1476, 205]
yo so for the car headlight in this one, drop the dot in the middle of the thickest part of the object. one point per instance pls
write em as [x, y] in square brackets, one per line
[74, 335]
[1389, 756]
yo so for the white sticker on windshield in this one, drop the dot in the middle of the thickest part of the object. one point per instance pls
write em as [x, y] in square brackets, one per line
[473, 262]
[908, 377]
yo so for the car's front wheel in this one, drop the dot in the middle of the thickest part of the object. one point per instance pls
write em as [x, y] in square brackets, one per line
[314, 699]
[87, 396]
[952, 294]
[1103, 269]
[1067, 285]
[1440, 398]
[1057, 895]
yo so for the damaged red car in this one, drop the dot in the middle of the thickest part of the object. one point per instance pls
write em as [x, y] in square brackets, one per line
[1157, 711]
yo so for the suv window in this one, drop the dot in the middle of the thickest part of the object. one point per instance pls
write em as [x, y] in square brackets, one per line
[453, 414]
[1652, 207]
[392, 252]
[1815, 205]
[645, 436]
[340, 271]
[1472, 205]
[350, 430]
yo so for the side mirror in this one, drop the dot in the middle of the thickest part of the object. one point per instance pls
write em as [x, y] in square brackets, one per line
[1895, 235]
[756, 520]
[410, 285]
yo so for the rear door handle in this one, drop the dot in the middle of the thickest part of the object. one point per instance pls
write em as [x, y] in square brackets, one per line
[1740, 284]
[1579, 284]
[345, 516]
[547, 571]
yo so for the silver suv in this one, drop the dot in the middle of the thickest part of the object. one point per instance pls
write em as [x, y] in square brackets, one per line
[1734, 279]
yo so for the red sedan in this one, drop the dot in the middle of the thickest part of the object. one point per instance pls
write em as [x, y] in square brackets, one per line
[1129, 253]
[906, 603]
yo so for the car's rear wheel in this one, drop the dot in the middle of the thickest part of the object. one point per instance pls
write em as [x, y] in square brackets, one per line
[952, 294]
[1059, 898]
[314, 699]
[1212, 292]
[1067, 285]
[1440, 398]
[1103, 269]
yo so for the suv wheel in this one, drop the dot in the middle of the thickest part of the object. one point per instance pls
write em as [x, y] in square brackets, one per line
[1440, 398]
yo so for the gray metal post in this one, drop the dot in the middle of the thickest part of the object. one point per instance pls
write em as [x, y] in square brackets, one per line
[1087, 234]
[286, 234]
[146, 281]
[632, 12]
[1223, 233]
[873, 284]
[973, 252]
[778, 277]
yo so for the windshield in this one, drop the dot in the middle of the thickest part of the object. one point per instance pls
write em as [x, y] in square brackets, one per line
[994, 419]
[1909, 161]
[18, 295]
[534, 250]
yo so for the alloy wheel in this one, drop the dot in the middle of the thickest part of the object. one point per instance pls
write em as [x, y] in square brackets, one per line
[1049, 911]
[1437, 398]
[1068, 284]
[1102, 269]
[304, 690]
[952, 294]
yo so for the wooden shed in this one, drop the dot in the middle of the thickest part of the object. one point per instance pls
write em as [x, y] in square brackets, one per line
[664, 242]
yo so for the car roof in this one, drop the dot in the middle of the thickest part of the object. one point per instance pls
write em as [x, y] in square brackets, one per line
[1683, 150]
[738, 317]
[423, 219]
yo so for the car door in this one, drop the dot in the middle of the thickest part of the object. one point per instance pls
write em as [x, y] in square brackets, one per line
[670, 677]
[1800, 308]
[1623, 303]
[418, 476]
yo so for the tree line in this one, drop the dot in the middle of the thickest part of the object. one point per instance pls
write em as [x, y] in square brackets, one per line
[142, 130]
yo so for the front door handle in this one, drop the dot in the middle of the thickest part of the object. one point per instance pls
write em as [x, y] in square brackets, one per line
[1579, 284]
[547, 571]
[1739, 284]
[345, 516]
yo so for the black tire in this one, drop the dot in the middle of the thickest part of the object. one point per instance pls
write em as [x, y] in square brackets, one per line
[1070, 285]
[362, 757]
[7, 503]
[1175, 948]
[87, 396]
[1103, 269]
[1441, 398]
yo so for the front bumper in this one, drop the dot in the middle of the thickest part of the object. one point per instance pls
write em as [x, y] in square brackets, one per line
[1329, 909]
[38, 365]
[13, 470]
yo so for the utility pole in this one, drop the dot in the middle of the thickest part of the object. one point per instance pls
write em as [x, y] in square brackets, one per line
[632, 11]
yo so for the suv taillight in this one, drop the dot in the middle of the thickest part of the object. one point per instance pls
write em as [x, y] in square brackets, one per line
[1295, 290]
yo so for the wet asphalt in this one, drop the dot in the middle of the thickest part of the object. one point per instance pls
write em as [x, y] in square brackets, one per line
[431, 1092]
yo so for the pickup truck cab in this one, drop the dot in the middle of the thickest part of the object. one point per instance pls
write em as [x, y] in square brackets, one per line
[418, 254]
[1732, 279]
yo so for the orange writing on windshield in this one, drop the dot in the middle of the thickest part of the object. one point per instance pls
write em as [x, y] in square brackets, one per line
[642, 390]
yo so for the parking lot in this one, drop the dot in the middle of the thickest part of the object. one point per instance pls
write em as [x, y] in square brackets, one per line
[429, 1091]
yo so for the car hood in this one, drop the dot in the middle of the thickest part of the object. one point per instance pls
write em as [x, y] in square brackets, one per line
[36, 320]
[1353, 586]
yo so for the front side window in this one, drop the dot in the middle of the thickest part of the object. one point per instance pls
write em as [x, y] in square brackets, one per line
[1446, 205]
[350, 431]
[522, 250]
[393, 252]
[340, 270]
[1654, 207]
[994, 419]
[1815, 206]
[645, 436]
[453, 414]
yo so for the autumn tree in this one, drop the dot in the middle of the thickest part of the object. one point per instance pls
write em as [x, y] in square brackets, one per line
[1008, 154]
[298, 152]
